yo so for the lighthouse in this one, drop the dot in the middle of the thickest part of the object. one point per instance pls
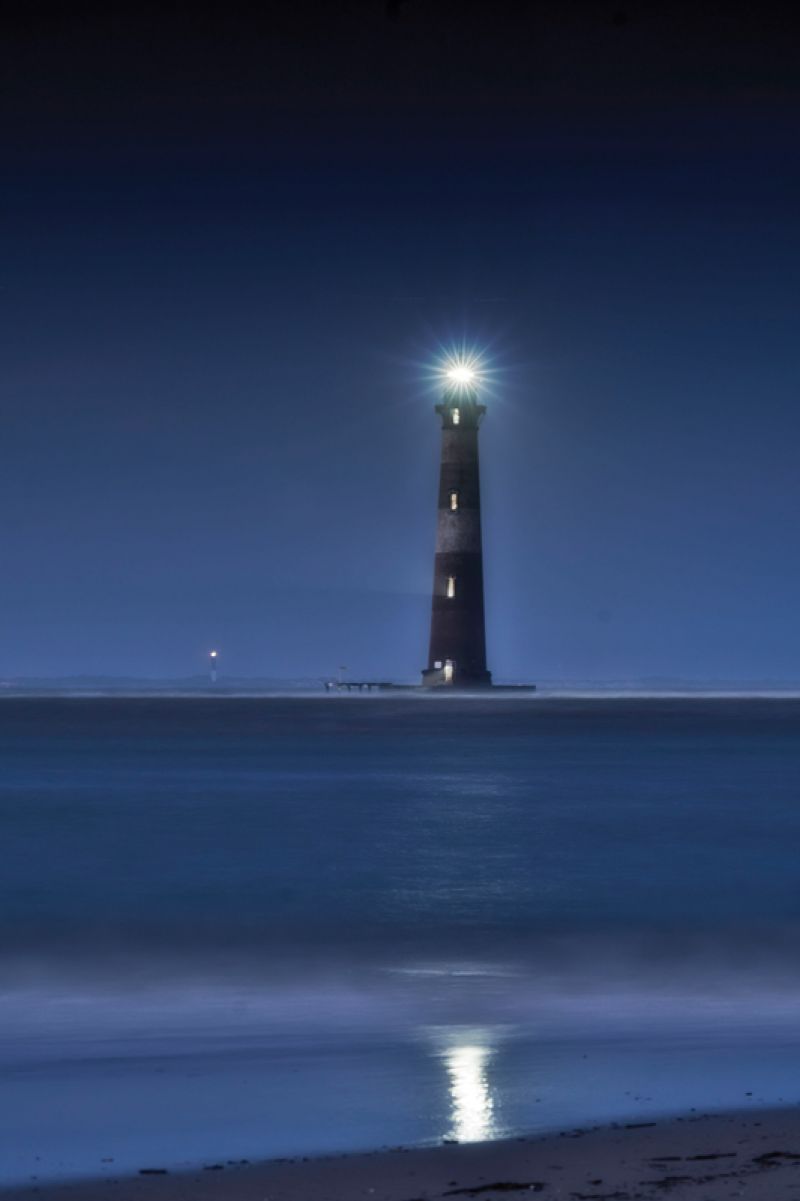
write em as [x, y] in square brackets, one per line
[457, 653]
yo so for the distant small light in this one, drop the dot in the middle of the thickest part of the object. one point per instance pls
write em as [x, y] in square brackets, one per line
[213, 654]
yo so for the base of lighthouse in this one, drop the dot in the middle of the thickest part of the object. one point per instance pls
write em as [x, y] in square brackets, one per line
[447, 675]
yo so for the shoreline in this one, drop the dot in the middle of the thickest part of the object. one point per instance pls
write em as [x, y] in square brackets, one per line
[693, 1157]
[394, 692]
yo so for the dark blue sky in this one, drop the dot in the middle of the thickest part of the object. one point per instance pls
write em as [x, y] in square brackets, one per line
[232, 246]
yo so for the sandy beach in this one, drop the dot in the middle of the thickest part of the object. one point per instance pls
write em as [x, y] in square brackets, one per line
[704, 1157]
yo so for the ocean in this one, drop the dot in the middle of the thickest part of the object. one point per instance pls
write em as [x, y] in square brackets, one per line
[255, 927]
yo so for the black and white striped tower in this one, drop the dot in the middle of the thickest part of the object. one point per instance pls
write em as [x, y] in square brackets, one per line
[457, 654]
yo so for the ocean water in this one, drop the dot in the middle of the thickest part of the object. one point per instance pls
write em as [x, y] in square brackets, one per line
[241, 928]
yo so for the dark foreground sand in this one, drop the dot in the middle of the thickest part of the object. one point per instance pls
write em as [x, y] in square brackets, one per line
[752, 1155]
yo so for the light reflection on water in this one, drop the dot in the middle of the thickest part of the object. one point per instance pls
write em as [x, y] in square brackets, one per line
[471, 1099]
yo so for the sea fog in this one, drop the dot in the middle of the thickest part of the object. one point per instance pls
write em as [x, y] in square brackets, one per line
[251, 927]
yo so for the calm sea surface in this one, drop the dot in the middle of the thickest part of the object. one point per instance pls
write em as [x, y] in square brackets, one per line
[243, 928]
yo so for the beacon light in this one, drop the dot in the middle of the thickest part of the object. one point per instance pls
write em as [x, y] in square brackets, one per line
[213, 654]
[461, 373]
[462, 369]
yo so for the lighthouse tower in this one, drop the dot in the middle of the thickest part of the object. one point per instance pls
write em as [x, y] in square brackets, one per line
[457, 654]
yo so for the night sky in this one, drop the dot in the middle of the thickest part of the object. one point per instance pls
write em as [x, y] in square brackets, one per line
[233, 245]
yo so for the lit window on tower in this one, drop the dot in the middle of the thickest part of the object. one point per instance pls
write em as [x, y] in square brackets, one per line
[453, 501]
[451, 586]
[456, 416]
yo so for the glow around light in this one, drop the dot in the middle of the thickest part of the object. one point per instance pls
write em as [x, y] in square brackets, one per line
[213, 654]
[462, 371]
[459, 367]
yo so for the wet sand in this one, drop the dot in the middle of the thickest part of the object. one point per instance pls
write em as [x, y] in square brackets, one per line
[706, 1158]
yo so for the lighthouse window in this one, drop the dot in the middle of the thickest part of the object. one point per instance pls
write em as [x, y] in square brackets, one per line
[456, 416]
[451, 586]
[453, 501]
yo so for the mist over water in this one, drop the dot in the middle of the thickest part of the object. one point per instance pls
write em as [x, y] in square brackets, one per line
[268, 926]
